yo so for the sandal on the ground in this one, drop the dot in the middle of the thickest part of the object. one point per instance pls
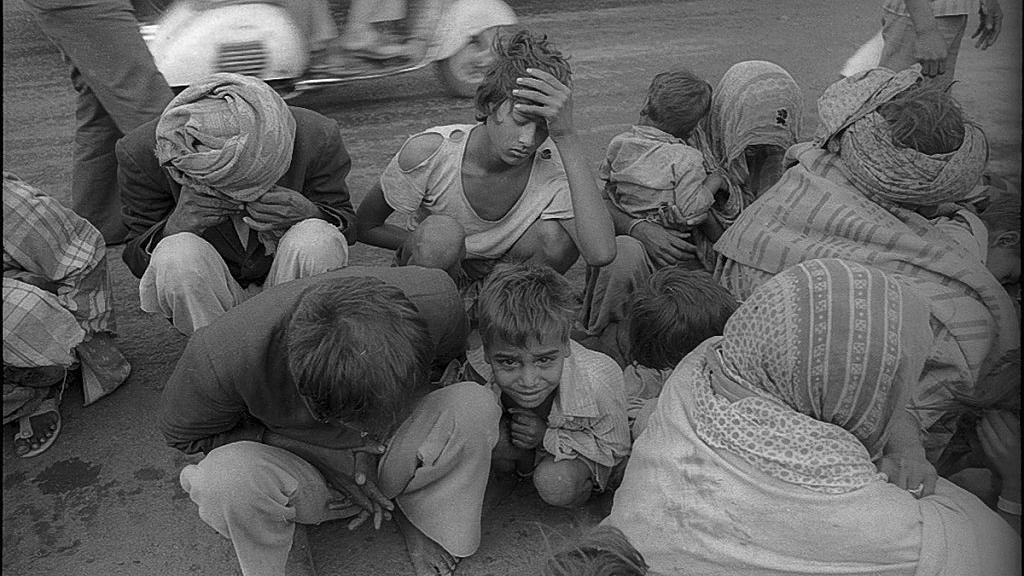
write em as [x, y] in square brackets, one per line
[23, 438]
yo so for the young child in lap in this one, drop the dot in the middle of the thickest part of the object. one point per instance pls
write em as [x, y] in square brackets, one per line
[563, 406]
[672, 313]
[650, 173]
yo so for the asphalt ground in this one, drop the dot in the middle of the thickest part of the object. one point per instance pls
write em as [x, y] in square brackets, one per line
[105, 499]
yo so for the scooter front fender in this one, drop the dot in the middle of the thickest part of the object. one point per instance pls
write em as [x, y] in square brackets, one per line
[466, 18]
[256, 39]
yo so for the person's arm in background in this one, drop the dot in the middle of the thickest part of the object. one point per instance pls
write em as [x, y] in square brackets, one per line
[930, 47]
[999, 433]
[903, 457]
[990, 22]
[591, 227]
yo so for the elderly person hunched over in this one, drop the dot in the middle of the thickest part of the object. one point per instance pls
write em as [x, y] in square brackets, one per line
[886, 184]
[242, 191]
[759, 458]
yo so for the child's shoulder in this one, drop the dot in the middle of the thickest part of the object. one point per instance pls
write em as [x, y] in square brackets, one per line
[421, 147]
[594, 364]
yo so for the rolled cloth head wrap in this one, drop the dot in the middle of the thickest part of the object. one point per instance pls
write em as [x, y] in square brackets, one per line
[878, 167]
[829, 350]
[228, 134]
[756, 102]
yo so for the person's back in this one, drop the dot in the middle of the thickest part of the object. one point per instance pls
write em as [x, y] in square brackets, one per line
[650, 167]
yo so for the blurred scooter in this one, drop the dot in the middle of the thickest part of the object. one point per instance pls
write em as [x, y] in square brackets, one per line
[294, 45]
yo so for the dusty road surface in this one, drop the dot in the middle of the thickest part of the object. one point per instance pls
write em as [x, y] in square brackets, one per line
[105, 499]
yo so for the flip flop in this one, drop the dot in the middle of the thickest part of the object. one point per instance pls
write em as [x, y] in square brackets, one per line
[23, 438]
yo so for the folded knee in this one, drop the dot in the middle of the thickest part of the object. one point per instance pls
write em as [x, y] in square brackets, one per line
[181, 254]
[226, 476]
[314, 236]
[438, 242]
[474, 409]
[565, 484]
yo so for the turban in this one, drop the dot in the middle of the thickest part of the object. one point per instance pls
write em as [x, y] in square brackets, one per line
[883, 171]
[228, 134]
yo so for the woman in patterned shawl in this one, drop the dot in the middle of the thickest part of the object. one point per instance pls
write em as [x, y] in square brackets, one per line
[893, 160]
[755, 115]
[758, 459]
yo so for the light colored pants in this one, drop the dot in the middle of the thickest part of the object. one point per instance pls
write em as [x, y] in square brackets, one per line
[436, 470]
[188, 281]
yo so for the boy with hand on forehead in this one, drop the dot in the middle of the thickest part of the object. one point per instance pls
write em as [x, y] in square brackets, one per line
[514, 185]
[563, 406]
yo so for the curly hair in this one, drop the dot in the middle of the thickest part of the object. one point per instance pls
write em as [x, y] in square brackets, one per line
[515, 53]
[676, 102]
[673, 312]
[925, 118]
[524, 303]
[358, 351]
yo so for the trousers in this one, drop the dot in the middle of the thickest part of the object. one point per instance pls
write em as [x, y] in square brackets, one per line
[118, 88]
[435, 469]
[188, 282]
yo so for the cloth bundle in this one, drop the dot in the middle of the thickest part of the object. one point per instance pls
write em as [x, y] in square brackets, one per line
[229, 136]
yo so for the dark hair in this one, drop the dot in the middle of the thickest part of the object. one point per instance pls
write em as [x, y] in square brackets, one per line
[673, 312]
[676, 102]
[925, 118]
[1002, 213]
[513, 55]
[358, 350]
[603, 551]
[523, 303]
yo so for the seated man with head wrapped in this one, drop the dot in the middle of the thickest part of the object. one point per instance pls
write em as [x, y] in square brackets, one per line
[890, 183]
[241, 191]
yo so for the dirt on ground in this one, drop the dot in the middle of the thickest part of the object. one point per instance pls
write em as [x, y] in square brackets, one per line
[105, 499]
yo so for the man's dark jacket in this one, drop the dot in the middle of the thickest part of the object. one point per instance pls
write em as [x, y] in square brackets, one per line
[319, 166]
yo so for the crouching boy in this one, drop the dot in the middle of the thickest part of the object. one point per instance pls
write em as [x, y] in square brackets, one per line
[563, 406]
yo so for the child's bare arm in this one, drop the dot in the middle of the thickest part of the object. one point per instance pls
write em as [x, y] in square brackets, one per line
[591, 229]
[371, 223]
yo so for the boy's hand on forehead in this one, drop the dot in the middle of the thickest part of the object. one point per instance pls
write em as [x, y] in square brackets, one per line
[546, 98]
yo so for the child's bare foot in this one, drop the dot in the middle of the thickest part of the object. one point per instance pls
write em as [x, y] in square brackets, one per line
[428, 557]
